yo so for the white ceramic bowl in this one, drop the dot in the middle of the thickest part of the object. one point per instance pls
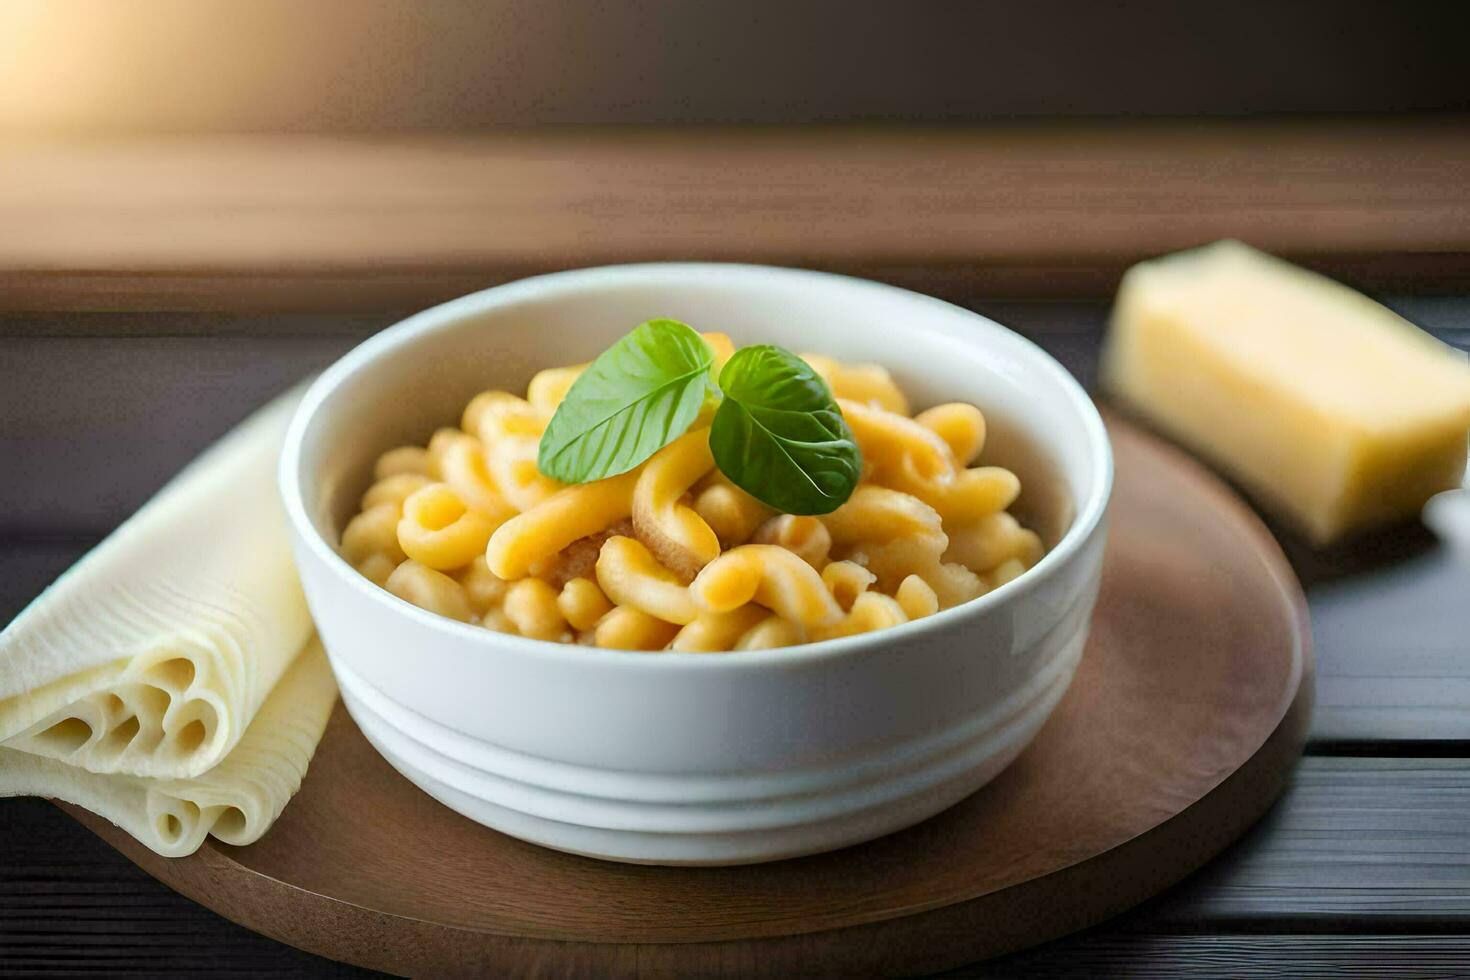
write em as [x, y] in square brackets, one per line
[701, 758]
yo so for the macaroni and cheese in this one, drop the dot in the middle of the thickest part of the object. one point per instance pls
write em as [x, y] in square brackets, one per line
[672, 555]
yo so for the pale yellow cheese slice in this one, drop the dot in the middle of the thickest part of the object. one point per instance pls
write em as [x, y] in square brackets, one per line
[1324, 405]
[236, 801]
[151, 655]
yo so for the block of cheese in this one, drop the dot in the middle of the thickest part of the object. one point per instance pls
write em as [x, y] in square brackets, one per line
[1328, 408]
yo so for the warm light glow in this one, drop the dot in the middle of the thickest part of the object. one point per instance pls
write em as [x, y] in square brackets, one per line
[84, 66]
[39, 79]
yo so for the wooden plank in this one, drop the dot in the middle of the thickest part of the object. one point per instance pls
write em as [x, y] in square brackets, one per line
[1353, 840]
[1394, 648]
[1238, 957]
[308, 222]
[1357, 846]
[94, 325]
[93, 427]
[70, 904]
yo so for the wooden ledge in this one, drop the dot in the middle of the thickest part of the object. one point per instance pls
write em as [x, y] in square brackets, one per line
[316, 223]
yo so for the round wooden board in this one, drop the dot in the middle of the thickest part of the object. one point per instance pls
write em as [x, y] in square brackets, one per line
[1185, 717]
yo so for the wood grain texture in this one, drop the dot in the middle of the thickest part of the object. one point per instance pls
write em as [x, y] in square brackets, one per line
[1188, 710]
[64, 883]
[1352, 840]
[1241, 957]
[301, 222]
[71, 905]
[93, 427]
[1414, 611]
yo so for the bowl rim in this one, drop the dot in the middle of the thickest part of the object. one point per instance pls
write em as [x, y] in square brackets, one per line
[443, 316]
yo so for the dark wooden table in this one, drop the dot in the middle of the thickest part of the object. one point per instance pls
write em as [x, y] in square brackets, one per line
[1362, 869]
[277, 254]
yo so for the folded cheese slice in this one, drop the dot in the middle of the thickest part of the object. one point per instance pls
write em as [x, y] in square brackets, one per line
[151, 655]
[1326, 406]
[236, 801]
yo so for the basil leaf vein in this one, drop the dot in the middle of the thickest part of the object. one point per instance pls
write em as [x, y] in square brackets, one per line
[637, 397]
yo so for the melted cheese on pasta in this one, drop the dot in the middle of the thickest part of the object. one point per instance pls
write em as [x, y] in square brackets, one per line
[672, 555]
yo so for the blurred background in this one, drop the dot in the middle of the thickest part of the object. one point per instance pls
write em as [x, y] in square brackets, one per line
[384, 154]
[188, 66]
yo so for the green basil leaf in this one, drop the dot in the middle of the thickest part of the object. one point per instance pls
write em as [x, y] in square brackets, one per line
[779, 435]
[637, 397]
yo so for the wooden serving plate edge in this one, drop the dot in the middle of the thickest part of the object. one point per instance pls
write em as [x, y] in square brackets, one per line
[926, 939]
[1017, 917]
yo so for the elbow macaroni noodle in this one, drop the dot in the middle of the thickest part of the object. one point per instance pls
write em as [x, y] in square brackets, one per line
[672, 555]
[806, 537]
[730, 512]
[673, 530]
[629, 575]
